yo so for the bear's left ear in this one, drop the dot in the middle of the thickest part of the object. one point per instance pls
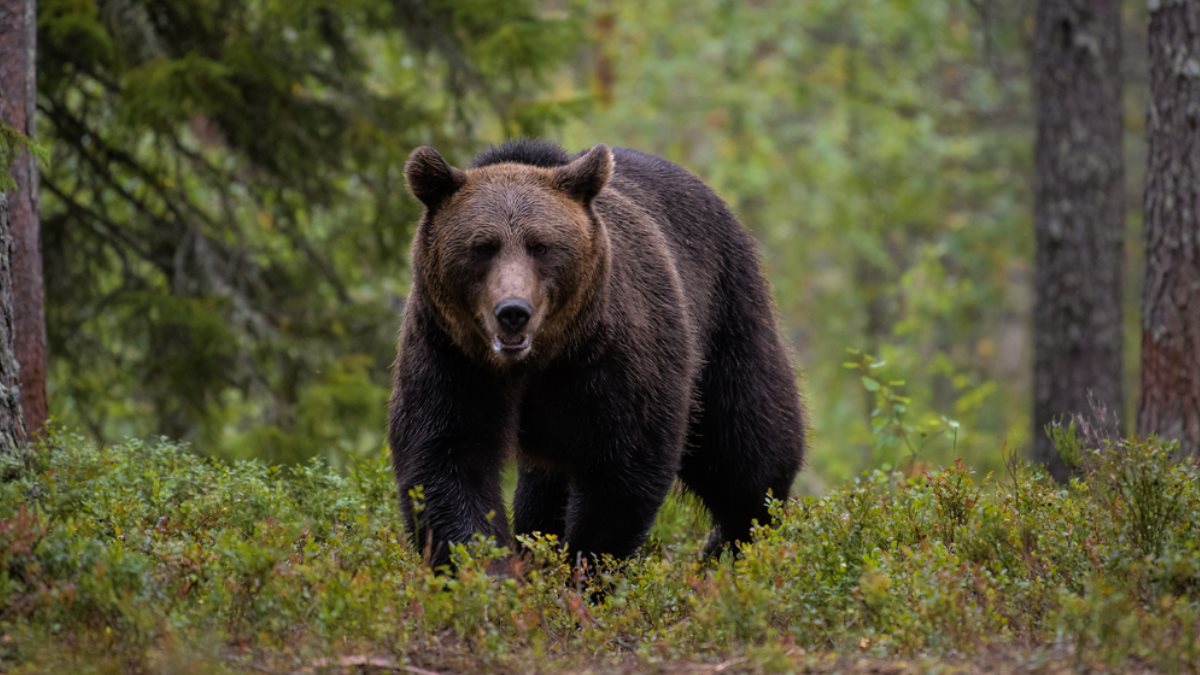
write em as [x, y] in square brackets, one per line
[583, 178]
[430, 178]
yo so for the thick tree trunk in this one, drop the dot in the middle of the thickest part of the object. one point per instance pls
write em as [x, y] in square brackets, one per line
[1078, 214]
[1170, 402]
[18, 96]
[12, 427]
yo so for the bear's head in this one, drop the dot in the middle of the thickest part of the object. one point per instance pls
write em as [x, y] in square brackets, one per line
[509, 254]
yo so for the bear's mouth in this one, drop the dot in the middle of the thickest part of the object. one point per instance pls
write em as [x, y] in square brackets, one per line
[511, 344]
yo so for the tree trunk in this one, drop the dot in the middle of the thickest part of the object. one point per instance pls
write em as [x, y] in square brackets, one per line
[1078, 215]
[18, 96]
[1170, 402]
[12, 427]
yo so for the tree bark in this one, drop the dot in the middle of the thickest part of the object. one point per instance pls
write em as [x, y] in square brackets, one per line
[1078, 215]
[1170, 387]
[18, 97]
[12, 426]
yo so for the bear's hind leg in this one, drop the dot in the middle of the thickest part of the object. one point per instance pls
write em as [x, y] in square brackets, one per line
[748, 438]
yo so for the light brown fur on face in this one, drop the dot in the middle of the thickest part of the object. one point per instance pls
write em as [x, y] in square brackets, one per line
[512, 232]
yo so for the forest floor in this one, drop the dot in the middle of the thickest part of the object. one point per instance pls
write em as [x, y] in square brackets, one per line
[148, 557]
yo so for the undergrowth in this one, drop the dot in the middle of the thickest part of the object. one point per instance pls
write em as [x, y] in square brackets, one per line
[145, 556]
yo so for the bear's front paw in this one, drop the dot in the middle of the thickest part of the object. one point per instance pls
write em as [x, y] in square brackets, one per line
[508, 567]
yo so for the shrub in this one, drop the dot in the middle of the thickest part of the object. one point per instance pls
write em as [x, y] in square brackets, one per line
[146, 556]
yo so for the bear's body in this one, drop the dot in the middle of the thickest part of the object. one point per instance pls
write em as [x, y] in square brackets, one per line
[605, 316]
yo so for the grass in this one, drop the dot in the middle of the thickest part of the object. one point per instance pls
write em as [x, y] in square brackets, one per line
[146, 557]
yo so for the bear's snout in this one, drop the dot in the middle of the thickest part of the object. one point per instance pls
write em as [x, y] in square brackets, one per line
[513, 314]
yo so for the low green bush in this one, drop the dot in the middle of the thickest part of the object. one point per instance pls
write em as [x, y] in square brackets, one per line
[145, 556]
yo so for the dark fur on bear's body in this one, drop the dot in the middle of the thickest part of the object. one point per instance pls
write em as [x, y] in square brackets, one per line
[655, 354]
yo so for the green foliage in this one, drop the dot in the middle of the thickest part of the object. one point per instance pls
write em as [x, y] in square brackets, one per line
[150, 557]
[228, 224]
[891, 419]
[225, 215]
[12, 144]
[228, 227]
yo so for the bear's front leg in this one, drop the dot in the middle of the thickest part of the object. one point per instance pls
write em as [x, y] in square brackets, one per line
[449, 422]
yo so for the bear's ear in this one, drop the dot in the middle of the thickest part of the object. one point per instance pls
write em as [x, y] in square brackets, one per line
[583, 178]
[430, 178]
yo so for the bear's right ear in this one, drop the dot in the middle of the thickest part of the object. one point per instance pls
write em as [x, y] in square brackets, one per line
[430, 178]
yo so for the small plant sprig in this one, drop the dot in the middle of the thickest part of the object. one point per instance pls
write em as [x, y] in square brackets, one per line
[12, 142]
[891, 416]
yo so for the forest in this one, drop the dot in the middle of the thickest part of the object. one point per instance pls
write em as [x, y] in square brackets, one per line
[980, 223]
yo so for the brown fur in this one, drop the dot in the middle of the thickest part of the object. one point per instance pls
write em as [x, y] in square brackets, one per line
[648, 351]
[536, 211]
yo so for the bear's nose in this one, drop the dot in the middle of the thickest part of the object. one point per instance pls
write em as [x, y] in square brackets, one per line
[513, 314]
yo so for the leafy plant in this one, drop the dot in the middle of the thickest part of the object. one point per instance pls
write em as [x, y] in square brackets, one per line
[148, 556]
[892, 417]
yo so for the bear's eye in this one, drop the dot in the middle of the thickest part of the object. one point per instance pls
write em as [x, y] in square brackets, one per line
[538, 249]
[485, 250]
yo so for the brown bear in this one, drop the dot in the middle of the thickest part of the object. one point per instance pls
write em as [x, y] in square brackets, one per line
[604, 316]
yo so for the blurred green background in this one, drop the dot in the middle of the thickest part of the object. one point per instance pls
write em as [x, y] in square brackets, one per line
[226, 225]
